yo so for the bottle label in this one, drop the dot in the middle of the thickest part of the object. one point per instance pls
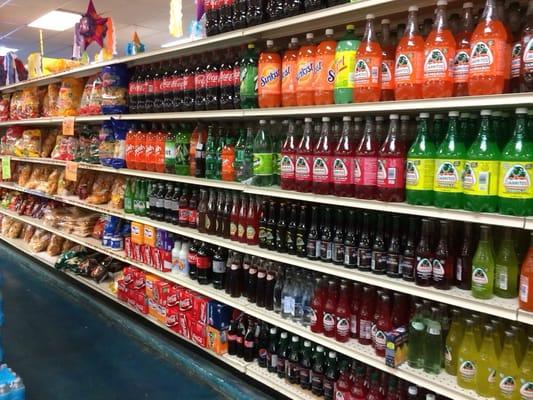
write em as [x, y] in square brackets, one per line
[199, 81]
[438, 269]
[322, 169]
[325, 250]
[344, 69]
[262, 164]
[342, 171]
[437, 62]
[419, 174]
[488, 58]
[288, 305]
[324, 72]
[461, 66]
[192, 258]
[305, 74]
[350, 256]
[459, 269]
[501, 280]
[379, 261]
[188, 83]
[409, 67]
[328, 322]
[219, 267]
[337, 253]
[288, 76]
[226, 78]
[364, 258]
[379, 340]
[304, 376]
[303, 170]
[353, 325]
[248, 80]
[317, 382]
[526, 389]
[367, 72]
[237, 76]
[479, 276]
[269, 78]
[240, 230]
[481, 178]
[515, 180]
[158, 86]
[507, 385]
[387, 74]
[250, 232]
[424, 268]
[448, 176]
[516, 59]
[391, 173]
[527, 56]
[448, 357]
[365, 171]
[328, 388]
[407, 267]
[524, 288]
[393, 264]
[287, 166]
[203, 262]
[365, 329]
[343, 327]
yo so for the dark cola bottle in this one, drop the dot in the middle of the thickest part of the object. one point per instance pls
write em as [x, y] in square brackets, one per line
[274, 10]
[200, 84]
[142, 88]
[212, 89]
[166, 86]
[225, 16]
[332, 3]
[254, 13]
[158, 87]
[237, 82]
[239, 9]
[149, 89]
[225, 82]
[132, 90]
[188, 84]
[312, 5]
[292, 7]
[177, 87]
[211, 17]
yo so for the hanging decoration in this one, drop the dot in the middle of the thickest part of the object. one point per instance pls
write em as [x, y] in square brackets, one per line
[135, 46]
[94, 28]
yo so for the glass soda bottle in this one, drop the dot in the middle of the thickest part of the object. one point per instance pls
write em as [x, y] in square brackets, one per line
[420, 166]
[453, 341]
[433, 343]
[525, 299]
[439, 52]
[323, 160]
[249, 76]
[424, 256]
[508, 380]
[483, 266]
[262, 153]
[461, 62]
[343, 161]
[391, 165]
[387, 62]
[303, 170]
[325, 70]
[366, 163]
[409, 65]
[467, 357]
[329, 309]
[288, 158]
[480, 179]
[342, 314]
[486, 379]
[526, 66]
[366, 315]
[317, 304]
[345, 55]
[382, 324]
[526, 371]
[269, 77]
[417, 328]
[488, 53]
[444, 261]
[367, 76]
[289, 64]
[305, 72]
[507, 269]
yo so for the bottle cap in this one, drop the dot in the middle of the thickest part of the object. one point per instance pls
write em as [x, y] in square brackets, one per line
[320, 348]
[262, 122]
[424, 115]
[412, 9]
[468, 4]
[438, 116]
[308, 119]
[521, 111]
[295, 339]
[284, 335]
[405, 117]
[370, 16]
[496, 113]
[350, 27]
[413, 390]
[453, 114]
[486, 112]
[442, 3]
[325, 119]
[332, 354]
[329, 32]
[294, 40]
[273, 122]
[309, 36]
[251, 46]
[357, 119]
[385, 21]
[270, 43]
[430, 396]
[465, 115]
[307, 343]
[346, 119]
[394, 116]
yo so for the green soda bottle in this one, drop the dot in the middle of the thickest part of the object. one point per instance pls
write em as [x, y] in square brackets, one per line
[248, 89]
[345, 54]
[453, 341]
[170, 149]
[220, 144]
[139, 202]
[210, 154]
[262, 156]
[467, 358]
[239, 155]
[439, 129]
[529, 128]
[128, 197]
[507, 269]
[276, 144]
[473, 126]
[498, 129]
[480, 178]
[508, 370]
[515, 188]
[486, 382]
[449, 164]
[420, 166]
[417, 329]
[433, 343]
[483, 266]
[183, 138]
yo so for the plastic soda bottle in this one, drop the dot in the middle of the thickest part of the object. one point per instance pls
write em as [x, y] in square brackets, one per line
[526, 66]
[515, 188]
[140, 148]
[160, 134]
[461, 63]
[248, 71]
[449, 165]
[325, 69]
[467, 357]
[525, 298]
[228, 160]
[345, 55]
[269, 77]
[170, 150]
[183, 150]
[507, 269]
[480, 179]
[483, 266]
[130, 147]
[262, 153]
[367, 75]
[453, 341]
[366, 163]
[488, 53]
[420, 166]
[508, 380]
[387, 62]
[288, 158]
[289, 65]
[487, 382]
[323, 160]
[391, 165]
[305, 73]
[409, 65]
[439, 52]
[343, 161]
[303, 170]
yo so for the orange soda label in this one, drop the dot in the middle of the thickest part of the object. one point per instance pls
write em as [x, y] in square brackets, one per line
[409, 67]
[438, 63]
[487, 57]
[387, 74]
[325, 72]
[367, 71]
[269, 76]
[305, 73]
[461, 66]
[288, 76]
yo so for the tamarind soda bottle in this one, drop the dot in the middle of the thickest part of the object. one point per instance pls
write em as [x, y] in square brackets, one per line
[461, 63]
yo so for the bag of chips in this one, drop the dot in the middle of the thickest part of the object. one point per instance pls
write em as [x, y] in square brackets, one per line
[70, 96]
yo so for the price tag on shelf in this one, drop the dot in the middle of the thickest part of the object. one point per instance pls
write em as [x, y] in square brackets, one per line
[68, 126]
[71, 171]
[6, 167]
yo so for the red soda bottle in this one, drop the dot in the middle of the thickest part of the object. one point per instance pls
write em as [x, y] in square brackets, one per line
[343, 161]
[342, 314]
[149, 148]
[252, 224]
[288, 158]
[366, 315]
[317, 304]
[323, 160]
[159, 148]
[140, 148]
[330, 308]
[303, 176]
[359, 390]
[343, 384]
[366, 163]
[382, 324]
[357, 291]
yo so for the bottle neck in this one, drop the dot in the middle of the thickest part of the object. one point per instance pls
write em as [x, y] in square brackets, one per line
[441, 21]
[423, 128]
[468, 20]
[385, 34]
[452, 128]
[490, 12]
[412, 25]
[370, 33]
[520, 127]
[484, 129]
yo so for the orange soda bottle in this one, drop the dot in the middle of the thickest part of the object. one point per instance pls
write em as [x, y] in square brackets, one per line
[159, 148]
[150, 147]
[525, 296]
[461, 62]
[325, 69]
[140, 148]
[228, 160]
[269, 77]
[305, 73]
[387, 63]
[367, 76]
[289, 64]
[488, 54]
[409, 65]
[503, 15]
[439, 52]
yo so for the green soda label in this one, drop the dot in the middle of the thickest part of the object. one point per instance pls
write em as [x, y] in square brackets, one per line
[345, 69]
[479, 278]
[448, 176]
[249, 80]
[262, 164]
[480, 178]
[419, 174]
[515, 180]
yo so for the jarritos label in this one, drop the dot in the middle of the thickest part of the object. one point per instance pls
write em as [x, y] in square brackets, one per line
[436, 63]
[488, 57]
[526, 390]
[461, 66]
[507, 386]
[269, 77]
[303, 169]
[527, 55]
[515, 180]
[448, 176]
[287, 167]
[409, 67]
[367, 72]
[387, 75]
[516, 59]
[342, 170]
[322, 168]
[467, 369]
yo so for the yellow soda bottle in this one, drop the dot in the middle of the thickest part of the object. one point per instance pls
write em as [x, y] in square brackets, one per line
[479, 322]
[498, 333]
[453, 341]
[487, 382]
[508, 371]
[467, 358]
[526, 373]
[520, 340]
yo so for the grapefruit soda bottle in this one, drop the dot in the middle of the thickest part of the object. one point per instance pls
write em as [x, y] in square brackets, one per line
[345, 55]
[387, 62]
[367, 76]
[343, 161]
[461, 62]
[269, 77]
[409, 65]
[366, 163]
[439, 52]
[325, 69]
[391, 165]
[305, 73]
[288, 74]
[303, 170]
[526, 66]
[288, 158]
[323, 160]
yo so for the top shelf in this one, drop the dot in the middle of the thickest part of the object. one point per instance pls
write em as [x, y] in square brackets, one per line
[311, 21]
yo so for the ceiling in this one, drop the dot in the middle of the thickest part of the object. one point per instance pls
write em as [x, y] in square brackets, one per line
[149, 18]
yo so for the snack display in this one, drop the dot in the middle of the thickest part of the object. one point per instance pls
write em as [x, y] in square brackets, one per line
[39, 240]
[55, 246]
[29, 145]
[115, 80]
[91, 100]
[69, 96]
[4, 106]
[65, 148]
[50, 100]
[71, 220]
[9, 140]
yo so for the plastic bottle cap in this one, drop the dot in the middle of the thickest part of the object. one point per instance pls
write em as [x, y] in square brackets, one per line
[442, 3]
[346, 119]
[284, 335]
[320, 348]
[496, 113]
[262, 122]
[412, 390]
[385, 21]
[332, 354]
[486, 112]
[405, 117]
[350, 27]
[357, 119]
[394, 116]
[438, 116]
[329, 32]
[468, 4]
[309, 36]
[412, 9]
[308, 119]
[270, 43]
[294, 40]
[295, 339]
[453, 114]
[521, 111]
[370, 16]
[465, 115]
[424, 115]
[325, 119]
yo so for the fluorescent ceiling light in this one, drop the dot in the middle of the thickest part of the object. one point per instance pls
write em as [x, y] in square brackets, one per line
[4, 50]
[176, 42]
[56, 20]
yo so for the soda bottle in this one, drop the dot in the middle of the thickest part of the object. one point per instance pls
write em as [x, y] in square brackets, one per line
[170, 150]
[417, 329]
[133, 90]
[391, 165]
[433, 343]
[228, 160]
[461, 63]
[150, 148]
[305, 366]
[358, 390]
[158, 88]
[188, 84]
[453, 341]
[350, 242]
[226, 86]
[526, 66]
[444, 261]
[317, 304]
[172, 87]
[368, 64]
[449, 164]
[439, 129]
[366, 315]
[129, 196]
[293, 361]
[480, 179]
[248, 77]
[467, 358]
[343, 161]
[131, 137]
[408, 258]
[343, 384]
[239, 9]
[366, 163]
[483, 266]
[317, 372]
[379, 249]
[288, 158]
[323, 160]
[409, 66]
[200, 84]
[525, 298]
[277, 141]
[342, 314]
[141, 88]
[463, 266]
[262, 156]
[269, 77]
[329, 309]
[211, 17]
[345, 55]
[325, 70]
[225, 15]
[183, 150]
[303, 170]
[507, 270]
[508, 379]
[420, 166]
[439, 52]
[526, 370]
[159, 148]
[289, 66]
[212, 83]
[382, 324]
[394, 250]
[424, 256]
[387, 62]
[488, 53]
[254, 14]
[331, 375]
[140, 148]
[305, 73]
[149, 89]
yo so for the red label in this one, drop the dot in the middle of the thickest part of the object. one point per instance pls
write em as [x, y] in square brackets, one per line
[303, 169]
[287, 166]
[342, 170]
[192, 217]
[199, 81]
[191, 258]
[391, 172]
[322, 168]
[203, 262]
[166, 86]
[132, 88]
[142, 87]
[177, 83]
[188, 82]
[157, 86]
[149, 87]
[365, 170]
[236, 76]
[226, 77]
[211, 79]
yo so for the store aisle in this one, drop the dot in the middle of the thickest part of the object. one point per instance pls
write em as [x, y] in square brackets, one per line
[67, 345]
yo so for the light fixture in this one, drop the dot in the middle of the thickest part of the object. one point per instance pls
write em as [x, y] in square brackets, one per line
[176, 42]
[56, 20]
[4, 50]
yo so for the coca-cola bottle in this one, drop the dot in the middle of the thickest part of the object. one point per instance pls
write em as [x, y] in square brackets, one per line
[133, 90]
[225, 15]
[158, 88]
[166, 87]
[292, 7]
[177, 88]
[239, 9]
[200, 84]
[187, 87]
[211, 17]
[212, 89]
[225, 82]
[274, 10]
[254, 13]
[237, 82]
[149, 90]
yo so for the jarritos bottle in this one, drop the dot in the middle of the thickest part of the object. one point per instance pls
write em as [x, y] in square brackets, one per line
[289, 65]
[409, 65]
[305, 73]
[269, 77]
[387, 62]
[488, 54]
[439, 52]
[345, 55]
[288, 158]
[461, 62]
[367, 75]
[480, 178]
[366, 163]
[325, 70]
[303, 170]
[526, 67]
[323, 160]
[343, 161]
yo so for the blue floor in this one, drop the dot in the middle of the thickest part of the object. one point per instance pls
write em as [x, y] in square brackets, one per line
[67, 345]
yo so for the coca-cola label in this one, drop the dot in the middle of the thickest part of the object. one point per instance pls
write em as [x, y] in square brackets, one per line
[226, 78]
[364, 170]
[342, 170]
[149, 87]
[157, 86]
[303, 169]
[189, 82]
[236, 76]
[391, 172]
[166, 85]
[211, 79]
[322, 169]
[203, 262]
[142, 88]
[199, 81]
[132, 88]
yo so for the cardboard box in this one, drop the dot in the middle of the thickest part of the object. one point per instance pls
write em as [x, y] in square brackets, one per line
[149, 236]
[128, 247]
[396, 350]
[150, 281]
[153, 308]
[199, 333]
[142, 302]
[172, 316]
[166, 260]
[219, 315]
[146, 255]
[137, 252]
[199, 308]
[184, 326]
[157, 258]
[129, 275]
[217, 340]
[186, 300]
[161, 292]
[137, 233]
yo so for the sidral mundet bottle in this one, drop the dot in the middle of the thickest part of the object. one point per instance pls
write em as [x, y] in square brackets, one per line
[483, 266]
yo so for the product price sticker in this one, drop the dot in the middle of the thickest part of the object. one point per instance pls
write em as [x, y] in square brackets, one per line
[68, 126]
[71, 171]
[6, 167]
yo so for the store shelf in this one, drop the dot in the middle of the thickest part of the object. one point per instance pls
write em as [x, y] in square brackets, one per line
[525, 317]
